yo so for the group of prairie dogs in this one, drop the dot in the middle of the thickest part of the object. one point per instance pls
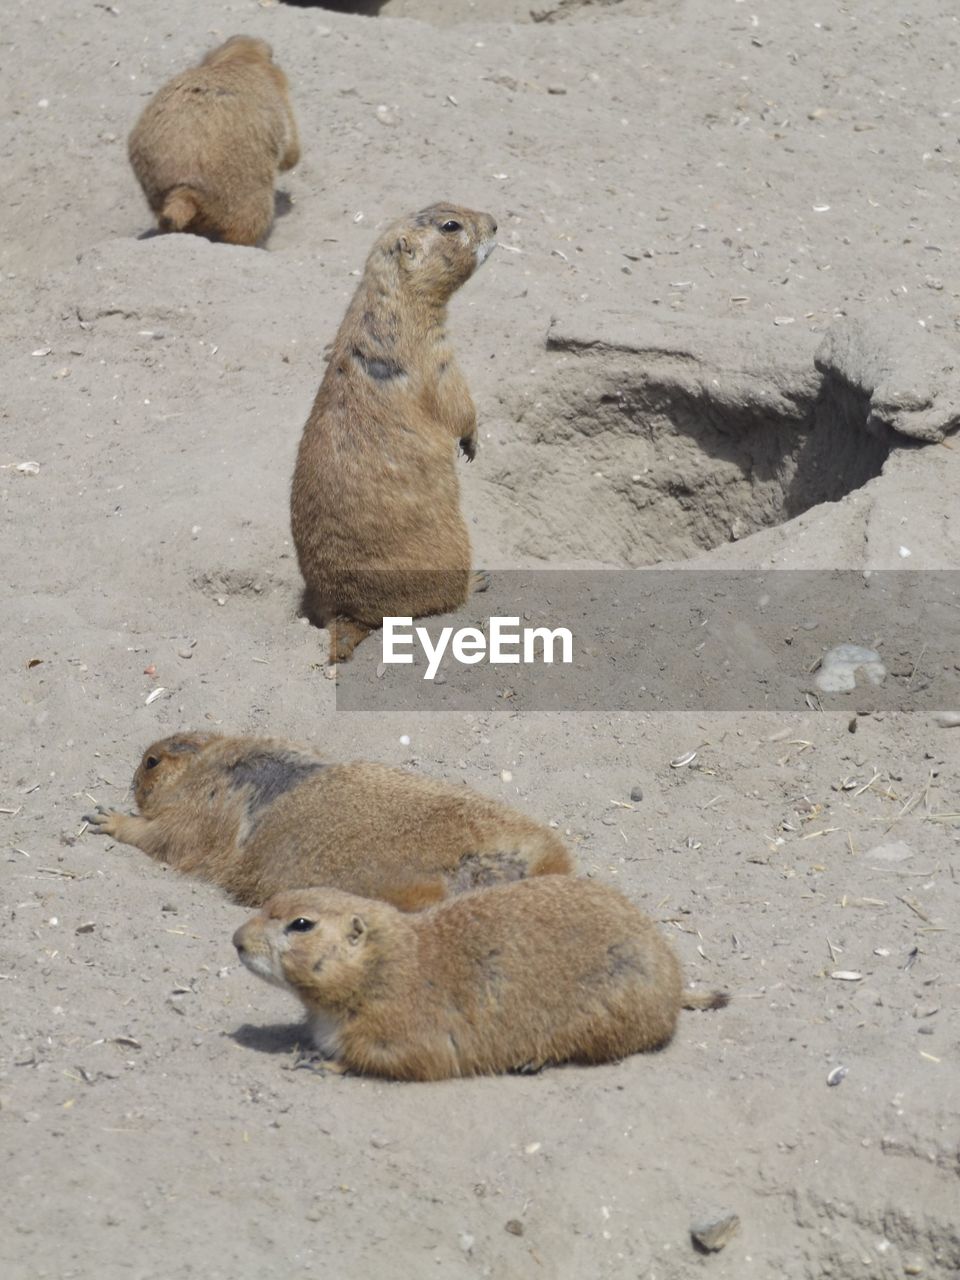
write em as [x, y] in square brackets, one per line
[449, 936]
[375, 502]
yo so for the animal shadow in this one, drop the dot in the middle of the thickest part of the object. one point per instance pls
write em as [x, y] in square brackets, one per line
[280, 1038]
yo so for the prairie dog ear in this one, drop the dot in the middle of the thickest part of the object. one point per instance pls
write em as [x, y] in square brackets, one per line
[406, 247]
[356, 930]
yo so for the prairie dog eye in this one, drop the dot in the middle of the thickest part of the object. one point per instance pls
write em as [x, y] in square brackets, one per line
[300, 925]
[151, 762]
[451, 225]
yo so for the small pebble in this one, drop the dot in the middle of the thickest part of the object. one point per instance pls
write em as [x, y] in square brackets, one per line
[506, 775]
[514, 1226]
[715, 1232]
[636, 794]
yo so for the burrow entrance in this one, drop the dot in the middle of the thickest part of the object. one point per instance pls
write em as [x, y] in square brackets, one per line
[624, 463]
[446, 13]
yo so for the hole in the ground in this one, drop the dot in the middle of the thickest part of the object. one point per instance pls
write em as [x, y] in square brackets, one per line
[443, 13]
[623, 464]
[368, 8]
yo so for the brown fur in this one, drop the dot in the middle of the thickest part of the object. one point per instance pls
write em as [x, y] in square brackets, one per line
[207, 148]
[508, 978]
[375, 504]
[257, 815]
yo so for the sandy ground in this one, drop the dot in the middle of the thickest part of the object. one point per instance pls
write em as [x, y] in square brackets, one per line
[697, 179]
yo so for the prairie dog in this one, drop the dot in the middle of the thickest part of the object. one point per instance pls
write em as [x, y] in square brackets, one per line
[258, 815]
[375, 503]
[207, 147]
[507, 978]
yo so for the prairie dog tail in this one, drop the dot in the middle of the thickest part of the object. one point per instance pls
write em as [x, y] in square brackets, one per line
[704, 999]
[179, 209]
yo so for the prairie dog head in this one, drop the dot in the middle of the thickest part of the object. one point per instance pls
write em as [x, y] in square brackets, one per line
[316, 943]
[239, 49]
[162, 765]
[439, 248]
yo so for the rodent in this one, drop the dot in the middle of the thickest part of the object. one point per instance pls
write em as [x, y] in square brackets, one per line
[375, 501]
[507, 978]
[258, 815]
[207, 147]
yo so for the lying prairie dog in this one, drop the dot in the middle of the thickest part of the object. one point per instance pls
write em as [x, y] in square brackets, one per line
[259, 815]
[512, 977]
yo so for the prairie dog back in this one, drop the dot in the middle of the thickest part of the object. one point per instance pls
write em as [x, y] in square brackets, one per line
[208, 146]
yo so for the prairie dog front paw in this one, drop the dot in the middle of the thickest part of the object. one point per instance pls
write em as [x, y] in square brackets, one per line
[104, 822]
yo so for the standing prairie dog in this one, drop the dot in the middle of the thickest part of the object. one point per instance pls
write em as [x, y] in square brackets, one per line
[257, 815]
[508, 978]
[209, 144]
[375, 503]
